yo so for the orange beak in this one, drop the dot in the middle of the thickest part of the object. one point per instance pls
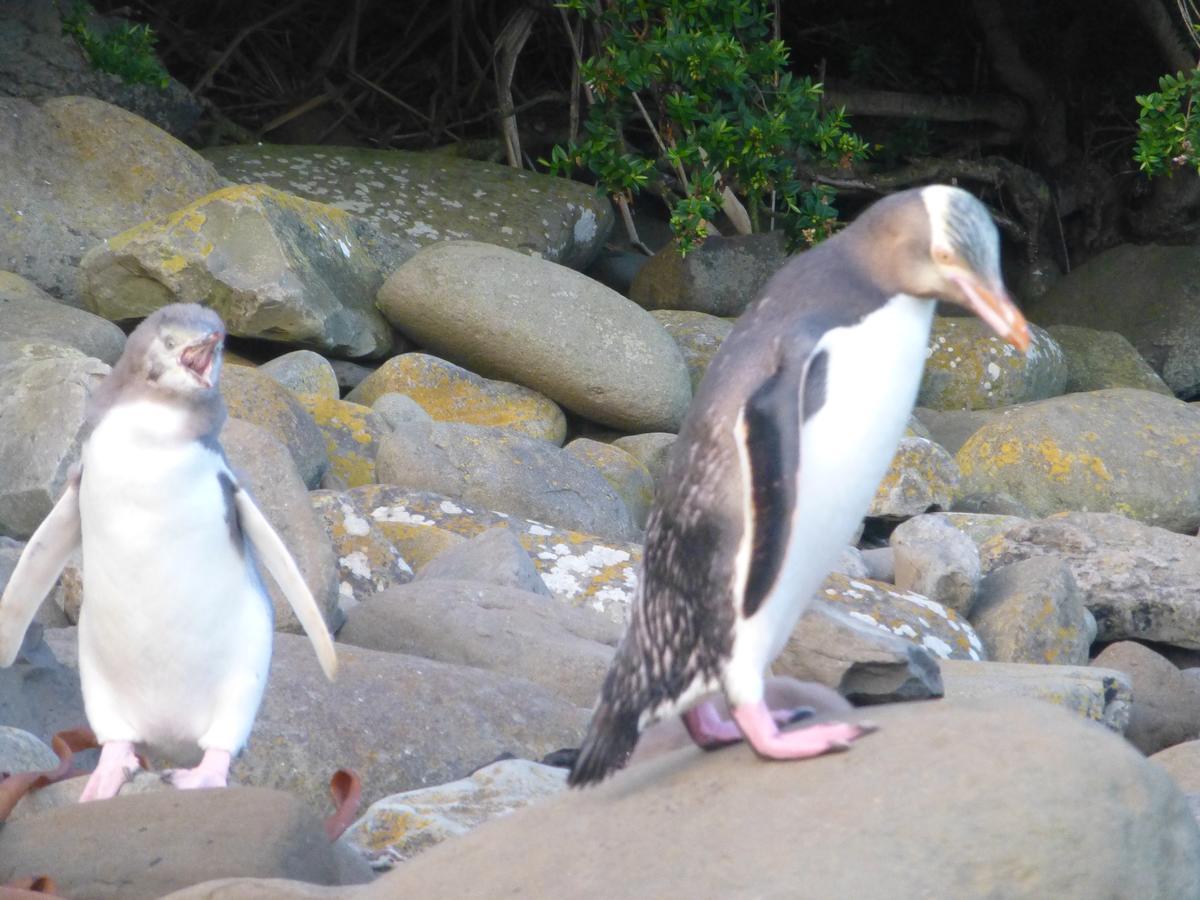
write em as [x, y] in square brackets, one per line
[996, 308]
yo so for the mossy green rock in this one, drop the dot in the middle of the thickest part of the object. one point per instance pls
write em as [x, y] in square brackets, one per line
[275, 267]
[1103, 359]
[423, 198]
[970, 368]
[1121, 450]
[698, 335]
[450, 393]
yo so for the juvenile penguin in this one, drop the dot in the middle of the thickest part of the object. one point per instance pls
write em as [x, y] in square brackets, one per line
[175, 628]
[781, 451]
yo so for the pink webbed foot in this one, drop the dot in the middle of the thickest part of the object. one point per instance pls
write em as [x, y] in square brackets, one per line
[117, 764]
[213, 772]
[760, 728]
[710, 731]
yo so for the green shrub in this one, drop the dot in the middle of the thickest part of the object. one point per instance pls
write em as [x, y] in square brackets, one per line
[126, 51]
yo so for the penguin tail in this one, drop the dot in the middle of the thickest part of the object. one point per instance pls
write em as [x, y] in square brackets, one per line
[610, 740]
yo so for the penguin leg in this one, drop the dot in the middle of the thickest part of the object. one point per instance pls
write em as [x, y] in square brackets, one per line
[117, 763]
[710, 731]
[759, 726]
[213, 771]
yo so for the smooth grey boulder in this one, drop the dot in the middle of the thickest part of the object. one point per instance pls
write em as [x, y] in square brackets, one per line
[508, 316]
[398, 410]
[27, 313]
[492, 557]
[721, 276]
[627, 475]
[303, 372]
[1166, 705]
[652, 449]
[1097, 360]
[564, 649]
[933, 558]
[503, 470]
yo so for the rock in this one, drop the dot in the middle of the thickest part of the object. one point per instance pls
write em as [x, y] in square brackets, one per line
[698, 335]
[450, 393]
[303, 372]
[970, 368]
[43, 394]
[1166, 705]
[658, 827]
[979, 527]
[1138, 581]
[721, 277]
[41, 695]
[1182, 763]
[652, 450]
[564, 650]
[503, 470]
[579, 568]
[494, 557]
[21, 751]
[1097, 360]
[264, 467]
[1101, 695]
[880, 563]
[990, 503]
[952, 427]
[399, 827]
[27, 313]
[851, 564]
[925, 622]
[349, 374]
[255, 398]
[183, 837]
[1144, 293]
[1120, 450]
[400, 409]
[507, 316]
[400, 722]
[274, 266]
[1032, 612]
[75, 171]
[352, 434]
[616, 268]
[922, 476]
[863, 663]
[367, 561]
[624, 473]
[936, 560]
[422, 198]
[261, 889]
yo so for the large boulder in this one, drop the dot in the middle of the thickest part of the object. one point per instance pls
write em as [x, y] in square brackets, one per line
[921, 476]
[274, 266]
[1109, 824]
[1120, 450]
[526, 320]
[352, 433]
[969, 367]
[1150, 294]
[1166, 704]
[29, 314]
[698, 335]
[74, 171]
[422, 198]
[1097, 360]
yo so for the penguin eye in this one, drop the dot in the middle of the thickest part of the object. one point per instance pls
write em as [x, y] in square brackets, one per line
[169, 343]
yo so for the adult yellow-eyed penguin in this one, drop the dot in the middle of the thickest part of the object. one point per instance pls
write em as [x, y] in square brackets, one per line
[175, 628]
[783, 447]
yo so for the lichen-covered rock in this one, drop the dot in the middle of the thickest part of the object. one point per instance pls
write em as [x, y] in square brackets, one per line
[698, 335]
[29, 314]
[303, 372]
[922, 476]
[507, 316]
[1097, 360]
[621, 469]
[1120, 450]
[1032, 612]
[969, 367]
[979, 527]
[367, 561]
[422, 198]
[503, 470]
[936, 560]
[651, 449]
[941, 631]
[74, 171]
[1146, 293]
[352, 434]
[721, 277]
[399, 827]
[262, 401]
[450, 393]
[275, 267]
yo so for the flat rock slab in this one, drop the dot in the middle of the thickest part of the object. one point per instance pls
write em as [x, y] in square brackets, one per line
[1109, 824]
[423, 198]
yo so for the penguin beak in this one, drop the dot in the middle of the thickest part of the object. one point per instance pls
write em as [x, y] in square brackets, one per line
[197, 357]
[992, 304]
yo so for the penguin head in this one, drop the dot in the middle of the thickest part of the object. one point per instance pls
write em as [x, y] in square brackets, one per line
[179, 349]
[964, 261]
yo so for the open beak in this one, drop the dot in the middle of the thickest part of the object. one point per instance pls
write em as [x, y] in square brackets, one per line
[197, 358]
[996, 308]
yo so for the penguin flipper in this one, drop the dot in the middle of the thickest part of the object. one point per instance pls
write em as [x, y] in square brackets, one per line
[278, 561]
[38, 568]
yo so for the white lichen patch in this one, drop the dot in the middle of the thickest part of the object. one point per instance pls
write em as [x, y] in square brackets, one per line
[936, 646]
[356, 525]
[356, 564]
[400, 515]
